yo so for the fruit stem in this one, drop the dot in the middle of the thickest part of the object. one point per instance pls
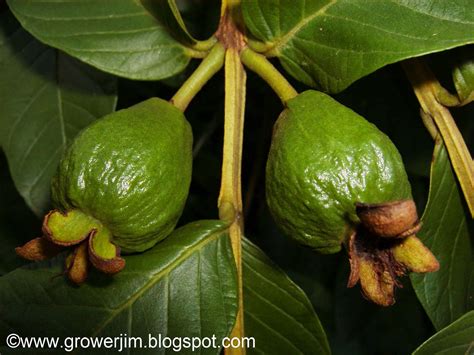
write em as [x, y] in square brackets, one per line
[426, 87]
[265, 69]
[210, 65]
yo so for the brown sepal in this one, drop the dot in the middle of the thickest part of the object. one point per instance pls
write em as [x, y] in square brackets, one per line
[38, 249]
[108, 266]
[354, 263]
[48, 234]
[415, 256]
[77, 264]
[377, 282]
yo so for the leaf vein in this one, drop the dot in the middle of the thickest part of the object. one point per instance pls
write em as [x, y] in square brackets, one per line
[157, 278]
[287, 37]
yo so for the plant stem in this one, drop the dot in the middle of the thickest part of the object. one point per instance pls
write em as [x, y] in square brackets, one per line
[262, 66]
[426, 87]
[211, 64]
[230, 196]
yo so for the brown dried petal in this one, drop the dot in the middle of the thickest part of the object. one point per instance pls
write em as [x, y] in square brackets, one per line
[38, 249]
[377, 285]
[373, 265]
[354, 263]
[108, 266]
[77, 264]
[415, 255]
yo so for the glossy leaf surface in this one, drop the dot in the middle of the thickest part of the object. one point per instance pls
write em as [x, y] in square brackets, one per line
[277, 312]
[329, 44]
[445, 294]
[118, 36]
[184, 286]
[46, 98]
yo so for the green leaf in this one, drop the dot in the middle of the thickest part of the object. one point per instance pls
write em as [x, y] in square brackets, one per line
[330, 44]
[118, 36]
[184, 286]
[463, 75]
[456, 338]
[445, 294]
[277, 312]
[168, 13]
[46, 97]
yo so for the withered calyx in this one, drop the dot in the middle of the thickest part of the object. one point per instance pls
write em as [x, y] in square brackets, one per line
[384, 247]
[88, 240]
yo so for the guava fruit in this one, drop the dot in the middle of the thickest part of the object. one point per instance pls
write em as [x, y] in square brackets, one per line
[121, 186]
[334, 179]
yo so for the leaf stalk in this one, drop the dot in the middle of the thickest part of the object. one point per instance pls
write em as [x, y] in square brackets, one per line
[426, 88]
[265, 69]
[211, 64]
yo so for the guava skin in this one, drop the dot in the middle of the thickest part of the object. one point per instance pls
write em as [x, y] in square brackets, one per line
[130, 170]
[323, 159]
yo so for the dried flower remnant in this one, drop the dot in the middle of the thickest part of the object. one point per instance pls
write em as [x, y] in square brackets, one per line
[378, 261]
[77, 231]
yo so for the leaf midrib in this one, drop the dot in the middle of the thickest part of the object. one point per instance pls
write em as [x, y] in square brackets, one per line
[157, 277]
[275, 47]
[60, 100]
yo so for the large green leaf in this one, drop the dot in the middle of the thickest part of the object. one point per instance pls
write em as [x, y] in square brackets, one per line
[329, 44]
[456, 339]
[277, 312]
[118, 36]
[445, 294]
[46, 97]
[184, 286]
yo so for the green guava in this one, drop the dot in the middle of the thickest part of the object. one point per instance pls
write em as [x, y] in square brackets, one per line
[129, 172]
[120, 187]
[324, 159]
